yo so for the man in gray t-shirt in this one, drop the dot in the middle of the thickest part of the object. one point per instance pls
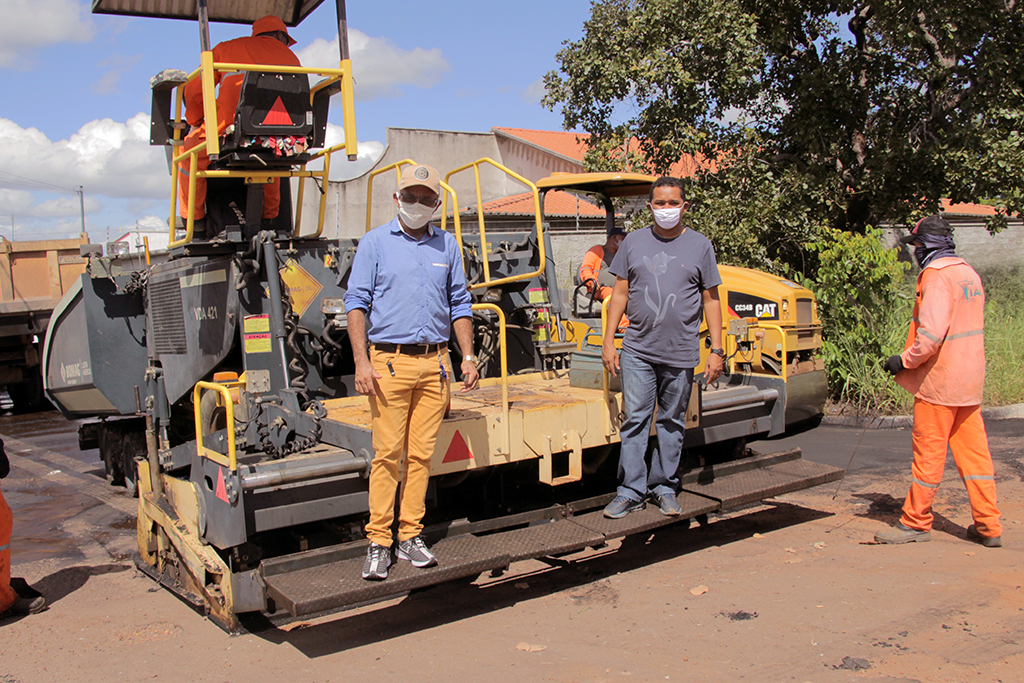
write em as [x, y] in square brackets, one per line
[666, 275]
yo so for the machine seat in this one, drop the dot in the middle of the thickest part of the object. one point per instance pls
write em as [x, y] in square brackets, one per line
[274, 124]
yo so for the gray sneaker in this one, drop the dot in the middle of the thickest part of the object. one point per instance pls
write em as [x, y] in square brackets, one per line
[622, 506]
[668, 504]
[378, 559]
[902, 534]
[415, 550]
[987, 541]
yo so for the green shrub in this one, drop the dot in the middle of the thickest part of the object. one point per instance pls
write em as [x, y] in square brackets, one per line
[864, 303]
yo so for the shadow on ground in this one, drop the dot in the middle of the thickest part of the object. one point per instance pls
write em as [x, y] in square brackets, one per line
[885, 508]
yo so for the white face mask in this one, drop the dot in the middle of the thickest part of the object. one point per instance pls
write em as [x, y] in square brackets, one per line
[666, 218]
[414, 214]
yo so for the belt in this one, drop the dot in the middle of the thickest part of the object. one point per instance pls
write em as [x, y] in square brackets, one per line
[411, 349]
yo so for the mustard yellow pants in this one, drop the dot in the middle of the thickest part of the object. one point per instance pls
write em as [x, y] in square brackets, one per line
[406, 411]
[962, 428]
[7, 596]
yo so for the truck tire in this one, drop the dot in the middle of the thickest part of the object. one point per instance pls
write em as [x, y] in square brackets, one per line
[134, 446]
[28, 396]
[111, 453]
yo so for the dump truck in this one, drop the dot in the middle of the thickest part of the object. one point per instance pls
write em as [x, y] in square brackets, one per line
[223, 376]
[34, 275]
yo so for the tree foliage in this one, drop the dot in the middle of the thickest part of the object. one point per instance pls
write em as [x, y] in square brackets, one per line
[807, 112]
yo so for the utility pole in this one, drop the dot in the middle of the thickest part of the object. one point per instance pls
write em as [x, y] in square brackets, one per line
[81, 203]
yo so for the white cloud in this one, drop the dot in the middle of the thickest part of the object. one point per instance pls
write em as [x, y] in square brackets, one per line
[534, 92]
[110, 160]
[105, 156]
[14, 202]
[341, 168]
[31, 24]
[118, 66]
[379, 66]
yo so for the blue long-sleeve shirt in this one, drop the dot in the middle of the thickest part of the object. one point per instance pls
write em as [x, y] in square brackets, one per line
[412, 291]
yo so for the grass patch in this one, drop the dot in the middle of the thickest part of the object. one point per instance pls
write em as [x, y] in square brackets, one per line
[1004, 337]
[859, 385]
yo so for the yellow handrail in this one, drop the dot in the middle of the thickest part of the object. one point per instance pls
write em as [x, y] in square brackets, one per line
[398, 176]
[785, 355]
[230, 461]
[504, 372]
[369, 183]
[206, 71]
[324, 176]
[475, 165]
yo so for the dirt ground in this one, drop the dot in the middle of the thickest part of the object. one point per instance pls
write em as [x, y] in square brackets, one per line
[790, 590]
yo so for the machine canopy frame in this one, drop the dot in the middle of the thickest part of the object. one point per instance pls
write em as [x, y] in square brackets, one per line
[291, 12]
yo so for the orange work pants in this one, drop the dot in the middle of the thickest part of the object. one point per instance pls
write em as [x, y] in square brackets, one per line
[962, 428]
[271, 191]
[406, 413]
[7, 596]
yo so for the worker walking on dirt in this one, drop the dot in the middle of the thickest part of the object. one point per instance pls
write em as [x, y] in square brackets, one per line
[943, 365]
[407, 281]
[11, 604]
[269, 44]
[664, 275]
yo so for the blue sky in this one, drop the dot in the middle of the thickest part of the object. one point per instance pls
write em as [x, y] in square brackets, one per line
[75, 103]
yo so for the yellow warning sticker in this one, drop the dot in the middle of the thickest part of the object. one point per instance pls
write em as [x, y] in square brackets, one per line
[299, 286]
[257, 343]
[538, 295]
[256, 323]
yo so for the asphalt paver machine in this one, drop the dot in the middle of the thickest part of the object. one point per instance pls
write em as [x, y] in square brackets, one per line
[222, 378]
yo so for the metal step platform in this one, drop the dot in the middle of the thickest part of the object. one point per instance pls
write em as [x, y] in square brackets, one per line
[328, 579]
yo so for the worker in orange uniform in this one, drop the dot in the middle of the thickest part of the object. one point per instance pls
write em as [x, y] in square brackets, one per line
[943, 365]
[11, 604]
[594, 269]
[269, 44]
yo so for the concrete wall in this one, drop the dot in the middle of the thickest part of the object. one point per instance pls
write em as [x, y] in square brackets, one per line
[983, 251]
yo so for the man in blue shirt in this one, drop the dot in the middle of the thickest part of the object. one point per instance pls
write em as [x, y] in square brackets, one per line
[407, 281]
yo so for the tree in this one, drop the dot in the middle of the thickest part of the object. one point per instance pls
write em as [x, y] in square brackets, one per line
[849, 113]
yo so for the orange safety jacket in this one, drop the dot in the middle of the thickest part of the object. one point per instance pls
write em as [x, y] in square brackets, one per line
[590, 269]
[247, 50]
[945, 352]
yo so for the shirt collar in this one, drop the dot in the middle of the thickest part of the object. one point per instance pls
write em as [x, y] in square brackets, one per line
[396, 227]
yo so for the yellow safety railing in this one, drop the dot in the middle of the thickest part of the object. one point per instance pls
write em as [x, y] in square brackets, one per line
[397, 167]
[475, 165]
[230, 460]
[206, 71]
[504, 372]
[784, 337]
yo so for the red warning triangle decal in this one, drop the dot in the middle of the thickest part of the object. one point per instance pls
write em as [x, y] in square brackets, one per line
[457, 450]
[222, 491]
[278, 115]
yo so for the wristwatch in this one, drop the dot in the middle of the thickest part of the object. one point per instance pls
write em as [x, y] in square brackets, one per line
[720, 352]
[472, 359]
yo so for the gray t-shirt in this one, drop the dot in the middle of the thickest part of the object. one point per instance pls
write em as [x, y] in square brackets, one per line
[666, 278]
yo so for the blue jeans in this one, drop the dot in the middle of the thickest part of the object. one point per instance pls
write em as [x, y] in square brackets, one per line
[642, 384]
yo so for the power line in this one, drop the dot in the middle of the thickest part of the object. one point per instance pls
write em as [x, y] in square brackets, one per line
[40, 182]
